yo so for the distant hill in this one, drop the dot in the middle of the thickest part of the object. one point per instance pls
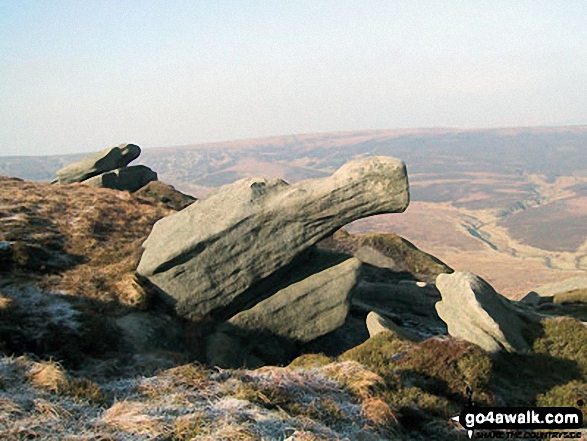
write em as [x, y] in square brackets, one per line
[501, 202]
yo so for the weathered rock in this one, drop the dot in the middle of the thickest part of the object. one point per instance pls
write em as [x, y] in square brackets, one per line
[125, 178]
[205, 256]
[307, 309]
[473, 311]
[93, 165]
[157, 191]
[377, 324]
[409, 304]
[299, 313]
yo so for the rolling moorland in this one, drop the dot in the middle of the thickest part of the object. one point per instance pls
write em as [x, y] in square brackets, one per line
[91, 349]
[507, 204]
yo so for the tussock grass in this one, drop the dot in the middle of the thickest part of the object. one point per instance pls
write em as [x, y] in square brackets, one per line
[52, 377]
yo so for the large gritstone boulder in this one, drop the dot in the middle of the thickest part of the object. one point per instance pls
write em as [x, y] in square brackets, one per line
[125, 178]
[473, 311]
[205, 256]
[93, 165]
[272, 330]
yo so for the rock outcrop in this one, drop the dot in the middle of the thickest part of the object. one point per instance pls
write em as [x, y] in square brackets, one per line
[125, 178]
[207, 255]
[98, 163]
[272, 330]
[473, 311]
[109, 169]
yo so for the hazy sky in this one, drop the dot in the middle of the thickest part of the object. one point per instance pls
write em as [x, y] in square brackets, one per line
[84, 75]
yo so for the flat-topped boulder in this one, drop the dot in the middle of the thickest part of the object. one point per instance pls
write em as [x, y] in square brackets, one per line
[474, 312]
[98, 163]
[125, 178]
[205, 256]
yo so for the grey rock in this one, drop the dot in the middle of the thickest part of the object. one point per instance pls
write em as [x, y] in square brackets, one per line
[307, 309]
[205, 256]
[125, 178]
[150, 331]
[474, 312]
[272, 330]
[376, 324]
[375, 257]
[93, 165]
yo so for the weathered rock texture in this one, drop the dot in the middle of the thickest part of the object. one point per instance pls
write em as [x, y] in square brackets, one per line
[376, 324]
[307, 309]
[93, 165]
[473, 311]
[271, 331]
[125, 178]
[205, 256]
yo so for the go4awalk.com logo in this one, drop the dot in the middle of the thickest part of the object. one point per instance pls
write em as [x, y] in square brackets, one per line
[519, 418]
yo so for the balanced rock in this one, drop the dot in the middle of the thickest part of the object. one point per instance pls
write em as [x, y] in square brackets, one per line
[205, 256]
[271, 331]
[93, 165]
[474, 312]
[125, 178]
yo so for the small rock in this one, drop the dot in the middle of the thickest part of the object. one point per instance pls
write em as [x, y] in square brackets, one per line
[474, 312]
[377, 324]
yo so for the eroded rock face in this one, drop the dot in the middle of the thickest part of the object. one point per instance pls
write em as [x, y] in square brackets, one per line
[473, 311]
[271, 331]
[208, 254]
[93, 165]
[125, 178]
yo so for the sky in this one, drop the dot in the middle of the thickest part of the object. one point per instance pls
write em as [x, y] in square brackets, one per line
[79, 76]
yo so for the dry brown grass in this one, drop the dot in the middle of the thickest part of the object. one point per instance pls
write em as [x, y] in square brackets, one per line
[133, 417]
[360, 381]
[49, 376]
[93, 234]
[377, 412]
[50, 410]
[52, 377]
